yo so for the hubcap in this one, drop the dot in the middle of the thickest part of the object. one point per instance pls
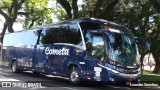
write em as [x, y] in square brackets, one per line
[74, 76]
[14, 67]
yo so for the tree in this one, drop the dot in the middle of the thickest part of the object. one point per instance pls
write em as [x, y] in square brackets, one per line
[69, 8]
[133, 14]
[11, 7]
[99, 8]
[156, 33]
[34, 10]
[37, 12]
[91, 8]
[155, 42]
[136, 17]
[155, 4]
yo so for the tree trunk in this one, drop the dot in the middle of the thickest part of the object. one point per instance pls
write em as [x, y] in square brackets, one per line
[3, 32]
[157, 68]
[66, 6]
[9, 22]
[75, 8]
[31, 24]
[157, 62]
[107, 11]
[141, 60]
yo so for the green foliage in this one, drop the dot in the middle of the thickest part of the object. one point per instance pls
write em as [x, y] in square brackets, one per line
[5, 3]
[61, 15]
[155, 36]
[38, 12]
[148, 76]
[133, 14]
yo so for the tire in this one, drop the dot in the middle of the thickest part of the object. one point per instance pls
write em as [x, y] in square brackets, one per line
[37, 73]
[14, 67]
[74, 76]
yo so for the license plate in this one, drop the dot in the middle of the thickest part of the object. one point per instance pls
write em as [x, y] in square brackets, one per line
[128, 83]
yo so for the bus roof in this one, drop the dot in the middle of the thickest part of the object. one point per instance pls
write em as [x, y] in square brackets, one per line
[96, 20]
[80, 20]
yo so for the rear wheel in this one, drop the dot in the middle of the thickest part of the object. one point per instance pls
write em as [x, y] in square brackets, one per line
[14, 67]
[37, 73]
[75, 76]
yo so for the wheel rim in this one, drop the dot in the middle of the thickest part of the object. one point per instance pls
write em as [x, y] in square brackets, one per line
[74, 76]
[14, 67]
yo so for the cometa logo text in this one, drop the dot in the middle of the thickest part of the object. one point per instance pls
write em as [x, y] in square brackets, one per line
[63, 51]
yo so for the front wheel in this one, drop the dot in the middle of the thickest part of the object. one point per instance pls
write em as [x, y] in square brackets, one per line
[75, 76]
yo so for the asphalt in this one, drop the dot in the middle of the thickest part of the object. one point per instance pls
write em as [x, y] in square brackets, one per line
[28, 80]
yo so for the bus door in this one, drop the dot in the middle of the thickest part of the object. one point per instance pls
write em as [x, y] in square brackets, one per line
[40, 59]
[95, 49]
[100, 46]
[34, 50]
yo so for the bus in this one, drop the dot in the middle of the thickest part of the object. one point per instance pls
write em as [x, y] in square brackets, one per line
[83, 49]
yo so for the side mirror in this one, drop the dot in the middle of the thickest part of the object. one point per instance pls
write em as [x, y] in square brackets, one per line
[143, 41]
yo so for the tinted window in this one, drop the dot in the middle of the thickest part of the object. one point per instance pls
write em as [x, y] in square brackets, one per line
[62, 34]
[50, 36]
[89, 26]
[71, 34]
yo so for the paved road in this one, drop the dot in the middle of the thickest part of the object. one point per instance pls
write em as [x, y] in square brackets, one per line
[49, 82]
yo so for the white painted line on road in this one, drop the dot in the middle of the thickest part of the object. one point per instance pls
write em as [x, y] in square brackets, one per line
[69, 88]
[4, 73]
[8, 79]
[117, 87]
[62, 87]
[153, 87]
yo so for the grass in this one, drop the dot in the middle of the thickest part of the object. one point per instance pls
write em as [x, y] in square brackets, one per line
[149, 77]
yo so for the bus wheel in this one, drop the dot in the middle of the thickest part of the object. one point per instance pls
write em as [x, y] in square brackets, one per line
[14, 67]
[74, 76]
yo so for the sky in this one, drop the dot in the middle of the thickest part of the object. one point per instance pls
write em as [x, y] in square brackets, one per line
[19, 26]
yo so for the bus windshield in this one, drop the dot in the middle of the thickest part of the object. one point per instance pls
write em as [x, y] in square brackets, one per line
[124, 50]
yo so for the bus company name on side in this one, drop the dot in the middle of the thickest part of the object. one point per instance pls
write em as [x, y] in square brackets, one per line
[63, 51]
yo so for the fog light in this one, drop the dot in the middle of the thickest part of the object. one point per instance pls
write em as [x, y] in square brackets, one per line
[97, 78]
[87, 77]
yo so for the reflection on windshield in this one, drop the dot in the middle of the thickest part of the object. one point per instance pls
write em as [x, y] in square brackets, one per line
[98, 46]
[124, 50]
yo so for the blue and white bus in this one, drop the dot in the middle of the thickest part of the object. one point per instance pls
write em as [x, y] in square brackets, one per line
[84, 49]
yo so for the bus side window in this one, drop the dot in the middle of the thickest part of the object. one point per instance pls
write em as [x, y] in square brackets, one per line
[30, 37]
[50, 36]
[62, 34]
[72, 34]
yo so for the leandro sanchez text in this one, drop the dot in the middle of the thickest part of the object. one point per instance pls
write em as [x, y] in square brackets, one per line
[144, 84]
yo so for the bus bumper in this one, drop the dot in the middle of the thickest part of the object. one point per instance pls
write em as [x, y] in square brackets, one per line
[112, 78]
